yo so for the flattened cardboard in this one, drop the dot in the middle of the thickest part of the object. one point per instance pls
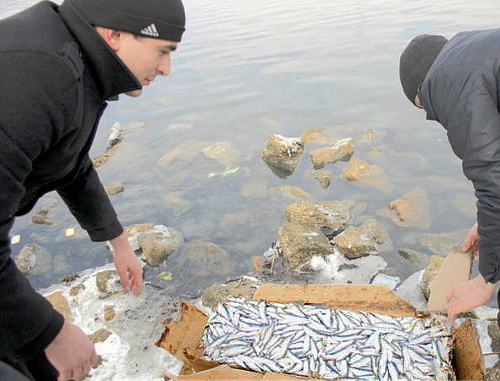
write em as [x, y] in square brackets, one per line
[183, 338]
[456, 268]
[368, 298]
[469, 364]
[225, 372]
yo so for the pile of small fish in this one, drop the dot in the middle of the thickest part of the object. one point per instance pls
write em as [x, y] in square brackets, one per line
[327, 343]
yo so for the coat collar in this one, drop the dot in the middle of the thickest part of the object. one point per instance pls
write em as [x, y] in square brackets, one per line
[111, 75]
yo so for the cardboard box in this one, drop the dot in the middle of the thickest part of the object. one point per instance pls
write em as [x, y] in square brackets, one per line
[182, 339]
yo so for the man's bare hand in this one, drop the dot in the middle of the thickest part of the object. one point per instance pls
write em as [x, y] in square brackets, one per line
[127, 264]
[468, 295]
[71, 353]
[472, 241]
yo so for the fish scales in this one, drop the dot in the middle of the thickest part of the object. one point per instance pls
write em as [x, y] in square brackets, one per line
[327, 343]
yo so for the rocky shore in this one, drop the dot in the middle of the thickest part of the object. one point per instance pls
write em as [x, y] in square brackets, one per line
[331, 241]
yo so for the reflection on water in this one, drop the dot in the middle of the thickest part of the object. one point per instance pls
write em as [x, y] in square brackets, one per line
[250, 68]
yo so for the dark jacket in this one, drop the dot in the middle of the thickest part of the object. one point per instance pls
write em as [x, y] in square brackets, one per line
[56, 75]
[461, 91]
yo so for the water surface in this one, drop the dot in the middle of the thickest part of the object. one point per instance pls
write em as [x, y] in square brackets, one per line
[247, 69]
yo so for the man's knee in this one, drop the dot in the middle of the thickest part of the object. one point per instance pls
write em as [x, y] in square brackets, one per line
[8, 373]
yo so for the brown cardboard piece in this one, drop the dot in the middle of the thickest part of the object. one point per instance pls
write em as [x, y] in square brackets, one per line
[455, 269]
[182, 338]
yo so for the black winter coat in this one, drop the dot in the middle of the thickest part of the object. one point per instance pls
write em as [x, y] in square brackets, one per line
[461, 91]
[56, 75]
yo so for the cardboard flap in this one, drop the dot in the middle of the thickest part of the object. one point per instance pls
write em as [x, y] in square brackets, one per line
[225, 372]
[182, 339]
[469, 363]
[456, 268]
[369, 298]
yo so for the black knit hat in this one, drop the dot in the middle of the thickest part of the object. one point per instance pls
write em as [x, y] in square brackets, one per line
[416, 60]
[163, 19]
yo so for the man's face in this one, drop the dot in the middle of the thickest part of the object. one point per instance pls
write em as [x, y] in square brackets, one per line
[145, 57]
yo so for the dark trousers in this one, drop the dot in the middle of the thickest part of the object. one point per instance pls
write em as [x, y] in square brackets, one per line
[35, 369]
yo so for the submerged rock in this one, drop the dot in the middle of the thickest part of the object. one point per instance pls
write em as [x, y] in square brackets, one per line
[442, 243]
[224, 153]
[203, 259]
[292, 192]
[282, 153]
[412, 210]
[316, 135]
[323, 178]
[365, 173]
[40, 217]
[341, 150]
[300, 241]
[33, 259]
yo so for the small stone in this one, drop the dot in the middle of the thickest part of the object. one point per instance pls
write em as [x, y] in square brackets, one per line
[371, 175]
[102, 280]
[60, 304]
[412, 210]
[40, 217]
[282, 153]
[99, 336]
[75, 290]
[316, 135]
[237, 287]
[323, 178]
[109, 313]
[114, 189]
[159, 243]
[341, 150]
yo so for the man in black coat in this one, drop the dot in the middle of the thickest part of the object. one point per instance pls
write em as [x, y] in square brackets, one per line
[60, 65]
[457, 83]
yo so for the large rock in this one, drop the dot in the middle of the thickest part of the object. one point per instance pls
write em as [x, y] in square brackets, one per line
[300, 241]
[204, 259]
[33, 259]
[283, 153]
[237, 287]
[332, 214]
[430, 273]
[411, 210]
[159, 243]
[372, 175]
[341, 150]
[356, 242]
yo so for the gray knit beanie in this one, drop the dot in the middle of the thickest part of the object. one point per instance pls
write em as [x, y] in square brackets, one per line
[162, 19]
[416, 60]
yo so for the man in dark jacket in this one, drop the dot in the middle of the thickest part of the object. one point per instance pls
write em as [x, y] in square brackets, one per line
[457, 83]
[60, 65]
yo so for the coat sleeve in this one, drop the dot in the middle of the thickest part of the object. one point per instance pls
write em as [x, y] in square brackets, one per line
[90, 204]
[469, 111]
[28, 323]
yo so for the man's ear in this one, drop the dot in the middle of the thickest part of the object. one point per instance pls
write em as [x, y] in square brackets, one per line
[112, 37]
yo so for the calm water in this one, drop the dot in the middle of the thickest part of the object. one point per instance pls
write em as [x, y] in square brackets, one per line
[250, 68]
